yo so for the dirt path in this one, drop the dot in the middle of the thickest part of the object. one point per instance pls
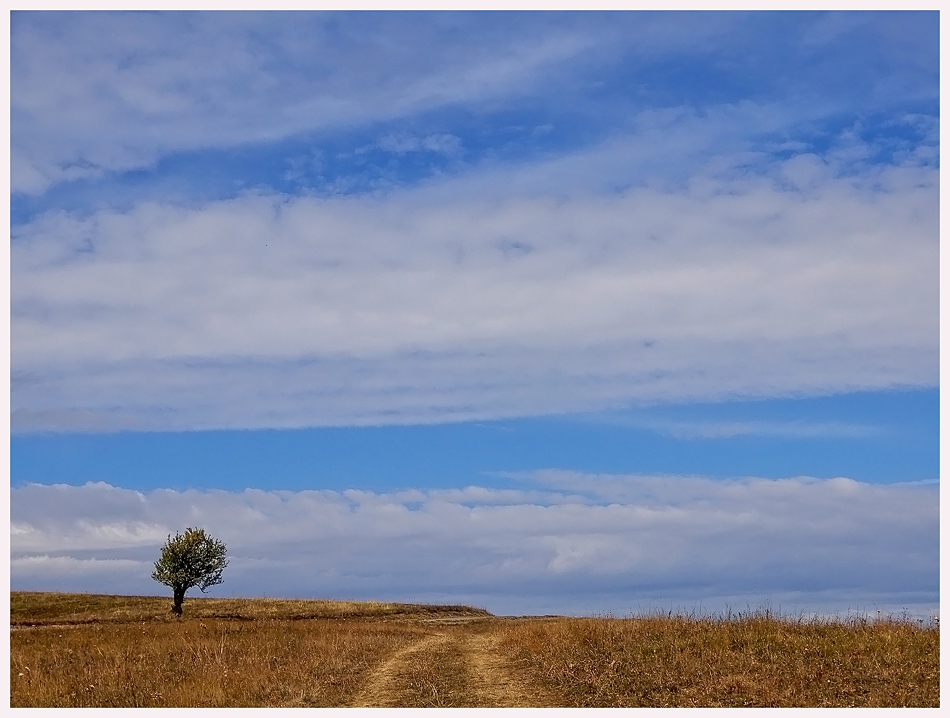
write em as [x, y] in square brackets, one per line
[448, 669]
[385, 685]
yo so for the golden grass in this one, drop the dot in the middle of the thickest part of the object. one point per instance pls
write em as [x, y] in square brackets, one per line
[81, 650]
[210, 663]
[77, 650]
[750, 661]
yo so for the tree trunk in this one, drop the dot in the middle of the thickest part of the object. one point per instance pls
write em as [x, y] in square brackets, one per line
[179, 598]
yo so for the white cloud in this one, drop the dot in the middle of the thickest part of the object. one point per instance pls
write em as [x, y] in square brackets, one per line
[576, 543]
[444, 302]
[674, 260]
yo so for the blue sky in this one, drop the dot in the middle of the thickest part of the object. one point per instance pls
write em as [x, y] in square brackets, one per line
[884, 437]
[529, 290]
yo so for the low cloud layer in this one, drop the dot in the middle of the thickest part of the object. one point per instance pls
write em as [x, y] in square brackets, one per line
[564, 543]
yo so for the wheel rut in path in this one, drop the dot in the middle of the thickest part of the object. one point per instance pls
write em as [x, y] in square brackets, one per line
[448, 669]
[386, 685]
[493, 684]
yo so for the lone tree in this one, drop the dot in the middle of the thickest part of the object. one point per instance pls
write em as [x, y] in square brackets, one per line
[194, 559]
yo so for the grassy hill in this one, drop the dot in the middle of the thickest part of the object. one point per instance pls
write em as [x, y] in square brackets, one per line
[43, 609]
[81, 650]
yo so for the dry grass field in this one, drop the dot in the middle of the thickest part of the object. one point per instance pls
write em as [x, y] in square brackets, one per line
[82, 650]
[756, 660]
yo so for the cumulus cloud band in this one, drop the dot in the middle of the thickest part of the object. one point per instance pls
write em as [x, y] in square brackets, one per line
[596, 542]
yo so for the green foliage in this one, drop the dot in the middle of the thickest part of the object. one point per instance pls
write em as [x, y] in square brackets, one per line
[190, 560]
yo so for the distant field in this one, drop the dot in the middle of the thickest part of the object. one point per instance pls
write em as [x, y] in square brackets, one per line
[39, 609]
[84, 650]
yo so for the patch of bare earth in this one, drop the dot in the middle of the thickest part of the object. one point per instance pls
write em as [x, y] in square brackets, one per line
[392, 684]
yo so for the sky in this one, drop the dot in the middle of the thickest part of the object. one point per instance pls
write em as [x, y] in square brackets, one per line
[544, 312]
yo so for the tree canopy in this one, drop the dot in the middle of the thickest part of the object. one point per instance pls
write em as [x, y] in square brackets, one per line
[190, 560]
